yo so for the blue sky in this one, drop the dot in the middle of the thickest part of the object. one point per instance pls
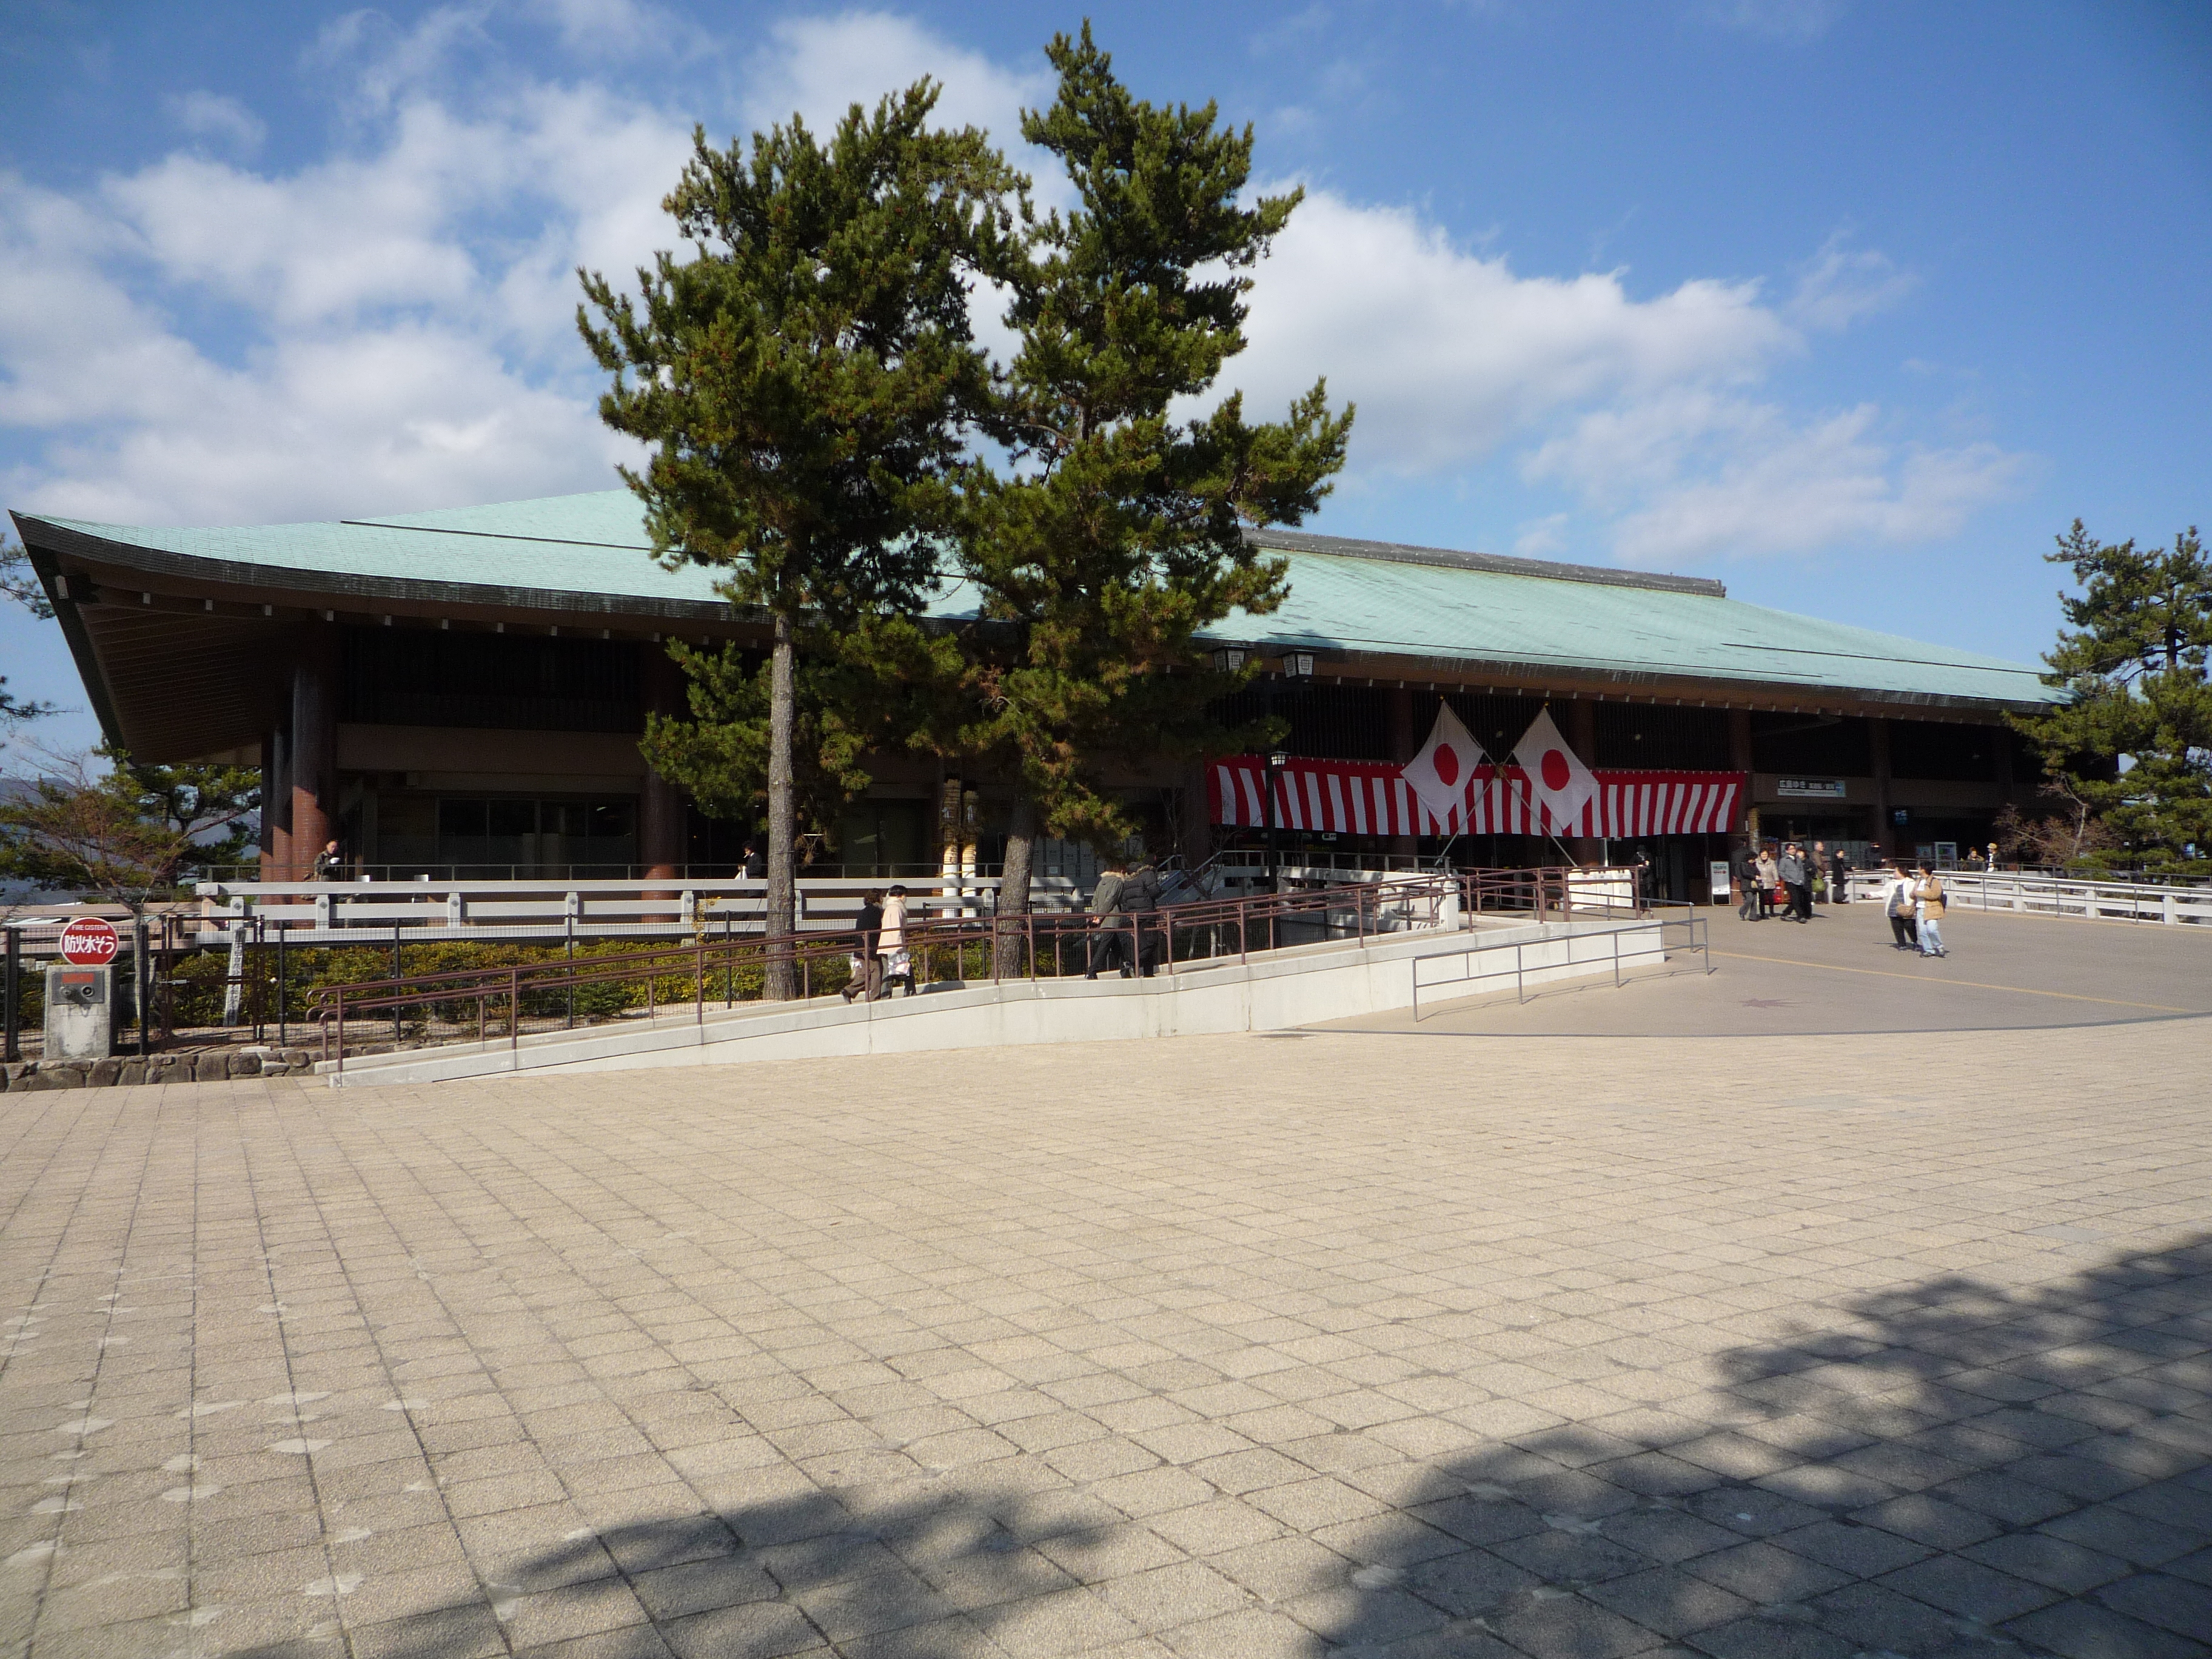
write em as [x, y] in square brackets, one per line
[1852, 304]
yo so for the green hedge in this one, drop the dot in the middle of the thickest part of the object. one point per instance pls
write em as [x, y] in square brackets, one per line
[197, 982]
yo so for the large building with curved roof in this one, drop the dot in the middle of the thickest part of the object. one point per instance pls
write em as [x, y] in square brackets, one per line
[465, 688]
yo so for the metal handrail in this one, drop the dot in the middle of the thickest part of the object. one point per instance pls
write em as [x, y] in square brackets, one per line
[1697, 942]
[1361, 910]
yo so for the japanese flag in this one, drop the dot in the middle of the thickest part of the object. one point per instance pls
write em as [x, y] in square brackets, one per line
[1561, 781]
[1439, 773]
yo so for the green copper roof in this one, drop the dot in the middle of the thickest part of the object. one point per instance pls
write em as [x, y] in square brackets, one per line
[1446, 612]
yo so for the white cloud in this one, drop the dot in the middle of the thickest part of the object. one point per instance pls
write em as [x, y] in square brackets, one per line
[1840, 285]
[394, 322]
[1541, 536]
[1448, 354]
[391, 326]
[820, 67]
[625, 28]
[1704, 475]
[1648, 412]
[1777, 20]
[405, 314]
[211, 115]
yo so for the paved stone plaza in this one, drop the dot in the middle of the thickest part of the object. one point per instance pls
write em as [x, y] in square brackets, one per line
[1434, 1342]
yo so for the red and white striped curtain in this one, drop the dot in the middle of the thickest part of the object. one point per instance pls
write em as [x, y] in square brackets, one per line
[1372, 798]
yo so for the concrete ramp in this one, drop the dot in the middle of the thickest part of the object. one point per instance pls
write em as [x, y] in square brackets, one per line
[1275, 991]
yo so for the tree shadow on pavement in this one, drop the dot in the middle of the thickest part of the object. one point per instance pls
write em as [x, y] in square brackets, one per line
[1956, 1469]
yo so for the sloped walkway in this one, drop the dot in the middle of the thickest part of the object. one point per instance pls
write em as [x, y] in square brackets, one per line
[1274, 989]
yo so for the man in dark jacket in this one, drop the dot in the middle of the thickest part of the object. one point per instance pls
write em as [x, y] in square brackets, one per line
[754, 865]
[869, 926]
[1745, 869]
[1110, 921]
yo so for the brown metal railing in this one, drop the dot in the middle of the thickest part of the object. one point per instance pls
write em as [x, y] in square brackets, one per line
[1047, 944]
[499, 1002]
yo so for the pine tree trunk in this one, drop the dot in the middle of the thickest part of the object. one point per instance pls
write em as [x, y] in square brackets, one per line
[781, 978]
[1014, 887]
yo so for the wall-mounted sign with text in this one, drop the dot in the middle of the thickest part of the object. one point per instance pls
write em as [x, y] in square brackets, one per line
[1815, 788]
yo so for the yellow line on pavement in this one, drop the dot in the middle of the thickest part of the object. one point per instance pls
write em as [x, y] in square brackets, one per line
[1968, 984]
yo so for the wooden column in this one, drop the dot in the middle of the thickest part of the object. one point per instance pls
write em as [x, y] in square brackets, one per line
[311, 769]
[276, 804]
[660, 814]
[1403, 743]
[1581, 738]
[1739, 757]
[1196, 829]
[1886, 838]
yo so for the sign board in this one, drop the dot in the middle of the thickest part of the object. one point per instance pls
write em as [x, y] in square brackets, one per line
[1814, 788]
[89, 942]
[1900, 816]
[1720, 876]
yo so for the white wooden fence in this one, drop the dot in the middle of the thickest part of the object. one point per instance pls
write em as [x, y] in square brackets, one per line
[367, 912]
[2057, 895]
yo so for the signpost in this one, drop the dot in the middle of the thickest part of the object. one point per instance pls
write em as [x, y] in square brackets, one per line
[89, 942]
[79, 996]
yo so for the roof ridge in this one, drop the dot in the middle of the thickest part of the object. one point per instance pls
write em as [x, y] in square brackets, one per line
[1299, 541]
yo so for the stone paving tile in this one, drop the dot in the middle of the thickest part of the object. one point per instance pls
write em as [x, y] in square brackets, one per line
[1208, 1347]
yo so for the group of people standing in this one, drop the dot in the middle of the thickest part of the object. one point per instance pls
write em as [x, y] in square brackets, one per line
[1781, 877]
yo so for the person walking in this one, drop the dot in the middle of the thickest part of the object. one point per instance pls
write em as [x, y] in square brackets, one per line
[897, 963]
[867, 964]
[1745, 869]
[330, 863]
[1928, 902]
[1769, 872]
[1816, 870]
[1900, 905]
[1839, 877]
[1110, 921]
[1797, 881]
[753, 866]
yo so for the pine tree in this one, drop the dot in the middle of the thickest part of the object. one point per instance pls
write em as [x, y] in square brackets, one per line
[2134, 661]
[802, 378]
[1117, 532]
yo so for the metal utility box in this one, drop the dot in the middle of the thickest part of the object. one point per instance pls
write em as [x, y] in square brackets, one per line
[80, 1013]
